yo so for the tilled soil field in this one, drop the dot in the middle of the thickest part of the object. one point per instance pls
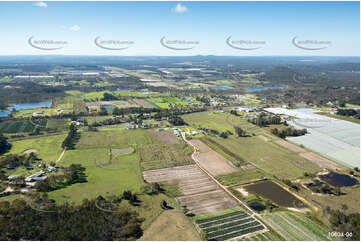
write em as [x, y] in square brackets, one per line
[200, 193]
[213, 162]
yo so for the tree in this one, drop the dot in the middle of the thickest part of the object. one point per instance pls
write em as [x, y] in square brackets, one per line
[4, 145]
[240, 132]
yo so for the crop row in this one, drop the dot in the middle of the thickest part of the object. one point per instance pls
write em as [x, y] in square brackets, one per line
[232, 229]
[221, 221]
[227, 225]
[238, 233]
[199, 221]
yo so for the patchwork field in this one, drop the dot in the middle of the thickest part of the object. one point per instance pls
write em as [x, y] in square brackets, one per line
[296, 227]
[230, 225]
[200, 193]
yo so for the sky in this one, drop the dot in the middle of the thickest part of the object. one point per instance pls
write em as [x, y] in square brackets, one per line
[180, 28]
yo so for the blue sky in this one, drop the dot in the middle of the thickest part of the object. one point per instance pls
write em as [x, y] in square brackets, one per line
[272, 24]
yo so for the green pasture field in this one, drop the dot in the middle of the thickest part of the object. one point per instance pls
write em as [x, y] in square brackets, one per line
[214, 120]
[166, 102]
[293, 226]
[58, 124]
[48, 148]
[11, 127]
[268, 156]
[241, 177]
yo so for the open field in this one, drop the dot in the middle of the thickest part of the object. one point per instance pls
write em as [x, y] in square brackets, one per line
[295, 227]
[156, 154]
[214, 120]
[243, 176]
[167, 102]
[229, 225]
[211, 161]
[171, 226]
[164, 136]
[143, 103]
[18, 127]
[48, 148]
[268, 157]
[200, 193]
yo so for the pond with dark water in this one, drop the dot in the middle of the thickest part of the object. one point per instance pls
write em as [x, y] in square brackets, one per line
[338, 180]
[275, 193]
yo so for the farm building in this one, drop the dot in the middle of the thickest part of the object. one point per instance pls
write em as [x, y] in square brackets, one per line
[36, 177]
[13, 177]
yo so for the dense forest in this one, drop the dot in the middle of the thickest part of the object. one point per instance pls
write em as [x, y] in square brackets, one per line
[20, 221]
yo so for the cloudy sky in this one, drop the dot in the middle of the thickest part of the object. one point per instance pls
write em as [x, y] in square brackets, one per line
[188, 28]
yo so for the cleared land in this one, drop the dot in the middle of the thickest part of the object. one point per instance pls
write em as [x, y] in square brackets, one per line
[164, 136]
[230, 225]
[171, 226]
[268, 156]
[213, 162]
[143, 103]
[267, 236]
[200, 193]
[295, 227]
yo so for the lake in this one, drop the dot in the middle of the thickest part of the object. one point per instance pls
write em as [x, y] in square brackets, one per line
[107, 106]
[222, 87]
[4, 114]
[22, 106]
[259, 89]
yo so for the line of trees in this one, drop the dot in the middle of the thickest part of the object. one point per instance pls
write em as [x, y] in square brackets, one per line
[71, 139]
[4, 144]
[288, 132]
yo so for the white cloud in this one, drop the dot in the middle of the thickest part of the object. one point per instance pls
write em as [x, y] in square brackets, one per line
[74, 28]
[180, 8]
[41, 4]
